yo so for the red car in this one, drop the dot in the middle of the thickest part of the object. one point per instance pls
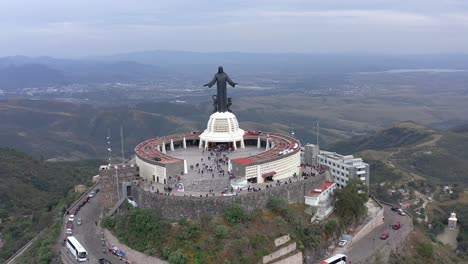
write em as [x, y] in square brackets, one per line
[384, 235]
[396, 226]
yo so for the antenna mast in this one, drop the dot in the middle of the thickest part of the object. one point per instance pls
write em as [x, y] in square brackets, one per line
[121, 140]
[109, 145]
[317, 132]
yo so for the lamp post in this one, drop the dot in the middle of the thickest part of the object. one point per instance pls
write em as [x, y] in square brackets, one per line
[117, 180]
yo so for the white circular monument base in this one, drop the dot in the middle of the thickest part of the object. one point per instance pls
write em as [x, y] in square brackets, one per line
[222, 127]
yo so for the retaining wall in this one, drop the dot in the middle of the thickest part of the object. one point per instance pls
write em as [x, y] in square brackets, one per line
[185, 207]
[372, 223]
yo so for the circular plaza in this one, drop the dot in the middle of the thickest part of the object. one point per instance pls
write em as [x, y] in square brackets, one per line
[186, 165]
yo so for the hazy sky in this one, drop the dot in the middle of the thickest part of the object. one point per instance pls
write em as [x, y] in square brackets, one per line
[69, 28]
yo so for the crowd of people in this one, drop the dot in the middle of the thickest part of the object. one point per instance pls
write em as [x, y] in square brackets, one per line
[215, 163]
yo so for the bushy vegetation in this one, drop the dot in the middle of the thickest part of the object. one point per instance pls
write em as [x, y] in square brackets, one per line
[30, 192]
[237, 236]
[350, 201]
[235, 214]
[42, 250]
[139, 228]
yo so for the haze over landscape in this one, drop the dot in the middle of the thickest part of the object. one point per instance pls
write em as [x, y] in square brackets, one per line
[386, 81]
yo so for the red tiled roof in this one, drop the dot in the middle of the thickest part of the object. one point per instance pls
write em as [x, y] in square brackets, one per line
[148, 149]
[242, 160]
[282, 143]
[324, 187]
[269, 174]
[251, 133]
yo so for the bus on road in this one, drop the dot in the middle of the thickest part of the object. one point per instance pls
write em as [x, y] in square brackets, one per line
[76, 249]
[337, 259]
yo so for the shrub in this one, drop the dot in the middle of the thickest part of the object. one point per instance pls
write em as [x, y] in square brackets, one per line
[178, 257]
[235, 214]
[425, 250]
[257, 241]
[220, 232]
[188, 231]
[278, 205]
[108, 222]
[165, 253]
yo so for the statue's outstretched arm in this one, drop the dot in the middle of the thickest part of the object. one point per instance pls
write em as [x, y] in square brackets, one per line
[212, 82]
[233, 84]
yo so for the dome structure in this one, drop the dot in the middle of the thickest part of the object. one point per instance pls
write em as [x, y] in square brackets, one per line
[222, 127]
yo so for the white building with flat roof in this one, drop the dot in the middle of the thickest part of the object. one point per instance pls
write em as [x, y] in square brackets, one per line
[322, 199]
[342, 168]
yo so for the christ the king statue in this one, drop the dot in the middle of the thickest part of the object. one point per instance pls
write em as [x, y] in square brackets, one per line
[221, 102]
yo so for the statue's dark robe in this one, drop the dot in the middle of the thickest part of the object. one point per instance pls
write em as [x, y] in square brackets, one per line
[221, 79]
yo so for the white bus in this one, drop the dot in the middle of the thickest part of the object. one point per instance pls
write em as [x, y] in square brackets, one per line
[337, 259]
[76, 249]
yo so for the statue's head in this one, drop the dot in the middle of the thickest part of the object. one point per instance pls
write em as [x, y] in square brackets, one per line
[220, 69]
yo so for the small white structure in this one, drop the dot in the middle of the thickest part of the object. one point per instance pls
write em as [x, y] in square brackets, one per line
[322, 199]
[222, 127]
[452, 221]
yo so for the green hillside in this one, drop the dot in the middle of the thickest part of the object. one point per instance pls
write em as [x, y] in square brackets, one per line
[404, 134]
[419, 161]
[30, 192]
[54, 129]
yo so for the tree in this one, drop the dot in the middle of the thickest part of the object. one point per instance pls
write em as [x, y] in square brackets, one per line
[331, 227]
[350, 201]
[235, 214]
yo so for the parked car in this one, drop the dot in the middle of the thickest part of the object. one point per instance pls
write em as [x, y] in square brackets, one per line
[97, 190]
[395, 209]
[384, 235]
[78, 221]
[396, 226]
[401, 212]
[343, 243]
[69, 228]
[71, 218]
[87, 198]
[91, 194]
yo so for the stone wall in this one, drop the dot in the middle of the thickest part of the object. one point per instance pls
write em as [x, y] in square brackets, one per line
[108, 183]
[376, 220]
[185, 207]
[279, 253]
[174, 168]
[294, 259]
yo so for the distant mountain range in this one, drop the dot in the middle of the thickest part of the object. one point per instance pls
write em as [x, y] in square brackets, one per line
[21, 71]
